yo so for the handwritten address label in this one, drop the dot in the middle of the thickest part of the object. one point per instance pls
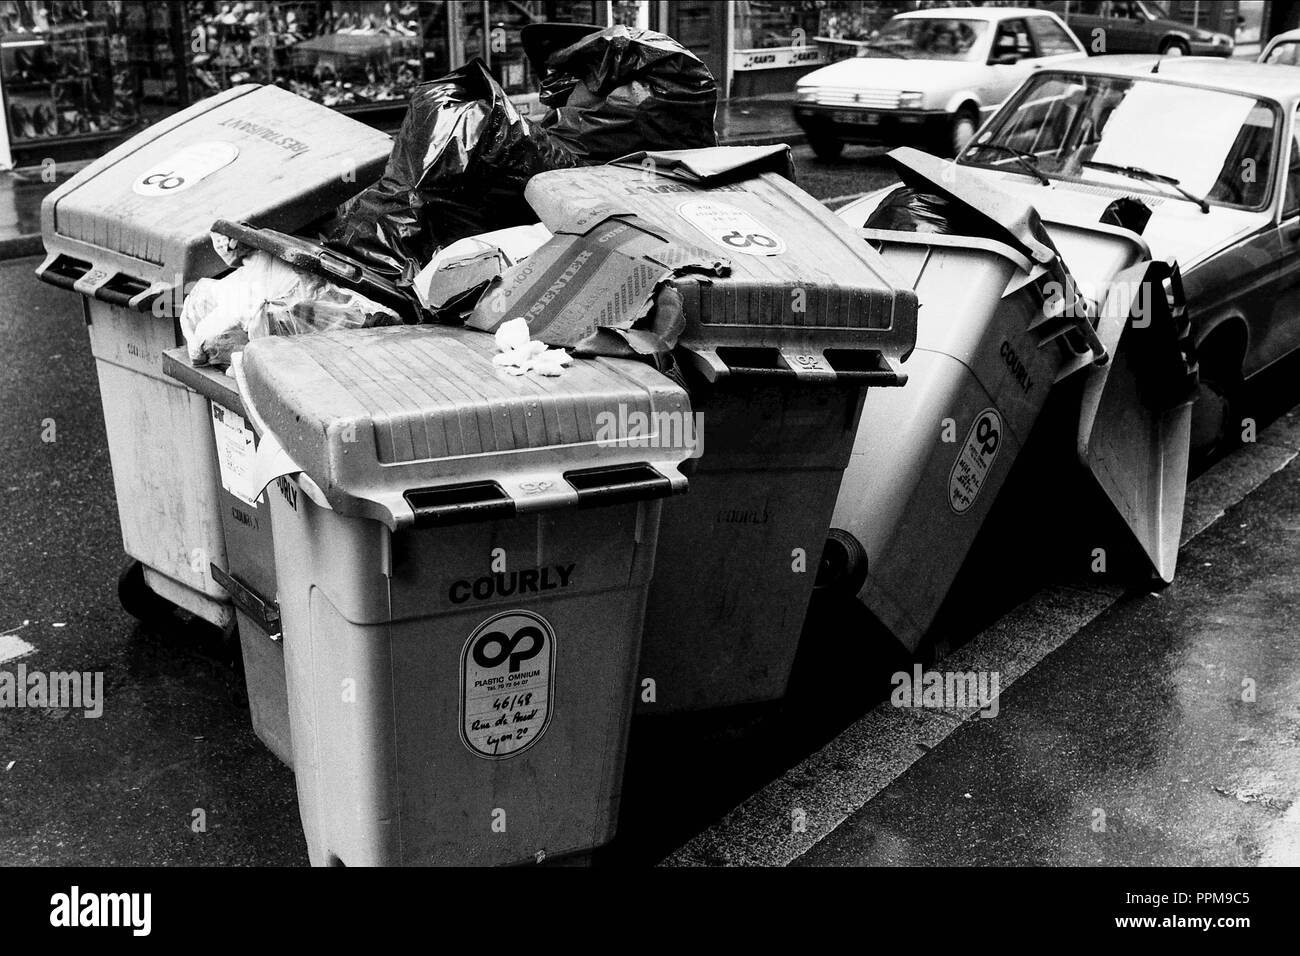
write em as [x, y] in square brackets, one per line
[507, 684]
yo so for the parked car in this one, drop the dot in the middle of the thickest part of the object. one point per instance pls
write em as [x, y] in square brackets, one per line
[1212, 150]
[928, 77]
[1283, 49]
[1137, 26]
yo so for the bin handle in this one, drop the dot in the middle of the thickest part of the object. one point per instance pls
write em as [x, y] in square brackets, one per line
[77, 275]
[618, 484]
[811, 365]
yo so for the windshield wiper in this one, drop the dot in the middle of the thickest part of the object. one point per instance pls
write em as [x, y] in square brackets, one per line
[886, 50]
[1027, 161]
[1137, 172]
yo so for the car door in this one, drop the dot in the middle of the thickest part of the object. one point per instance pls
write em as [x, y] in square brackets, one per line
[1085, 22]
[1012, 43]
[1281, 334]
[1124, 25]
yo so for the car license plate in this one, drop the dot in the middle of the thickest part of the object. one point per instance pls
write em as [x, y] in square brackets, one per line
[857, 117]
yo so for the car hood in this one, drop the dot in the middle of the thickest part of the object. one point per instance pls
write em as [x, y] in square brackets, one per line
[1177, 230]
[890, 73]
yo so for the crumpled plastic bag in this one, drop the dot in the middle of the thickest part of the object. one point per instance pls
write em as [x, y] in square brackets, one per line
[265, 296]
[458, 167]
[911, 210]
[622, 90]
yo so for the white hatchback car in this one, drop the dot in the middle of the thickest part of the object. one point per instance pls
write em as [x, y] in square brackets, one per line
[929, 77]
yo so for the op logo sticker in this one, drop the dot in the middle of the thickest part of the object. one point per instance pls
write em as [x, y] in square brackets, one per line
[507, 684]
[182, 169]
[732, 228]
[974, 460]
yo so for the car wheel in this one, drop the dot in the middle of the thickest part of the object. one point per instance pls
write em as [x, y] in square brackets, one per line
[1173, 48]
[1214, 423]
[827, 150]
[962, 130]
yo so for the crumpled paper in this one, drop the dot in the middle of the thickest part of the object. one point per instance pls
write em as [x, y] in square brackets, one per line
[520, 354]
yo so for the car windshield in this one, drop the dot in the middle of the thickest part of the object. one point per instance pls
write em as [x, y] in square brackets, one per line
[1287, 53]
[928, 38]
[1109, 131]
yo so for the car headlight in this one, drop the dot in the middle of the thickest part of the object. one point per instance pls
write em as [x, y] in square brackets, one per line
[805, 94]
[911, 100]
[1222, 40]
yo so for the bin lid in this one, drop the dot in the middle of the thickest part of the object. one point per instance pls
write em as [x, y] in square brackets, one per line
[415, 424]
[801, 293]
[136, 221]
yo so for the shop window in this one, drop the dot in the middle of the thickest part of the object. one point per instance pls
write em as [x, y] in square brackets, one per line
[67, 71]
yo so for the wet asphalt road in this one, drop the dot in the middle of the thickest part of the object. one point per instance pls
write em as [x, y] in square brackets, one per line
[174, 746]
[1165, 733]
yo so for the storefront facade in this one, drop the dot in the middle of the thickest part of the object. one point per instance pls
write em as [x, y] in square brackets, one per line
[77, 76]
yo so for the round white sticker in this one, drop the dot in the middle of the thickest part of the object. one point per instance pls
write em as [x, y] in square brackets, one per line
[974, 460]
[185, 167]
[733, 229]
[507, 682]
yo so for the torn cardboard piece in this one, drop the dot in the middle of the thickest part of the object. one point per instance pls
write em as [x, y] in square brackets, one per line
[594, 286]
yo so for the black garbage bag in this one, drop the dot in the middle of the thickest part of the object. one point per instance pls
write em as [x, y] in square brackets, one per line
[912, 210]
[621, 90]
[458, 167]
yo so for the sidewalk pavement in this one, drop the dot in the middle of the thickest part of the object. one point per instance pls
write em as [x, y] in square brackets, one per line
[1151, 729]
[743, 122]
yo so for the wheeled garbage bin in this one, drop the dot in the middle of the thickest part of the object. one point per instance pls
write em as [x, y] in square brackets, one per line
[778, 352]
[462, 558]
[130, 234]
[248, 574]
[1003, 321]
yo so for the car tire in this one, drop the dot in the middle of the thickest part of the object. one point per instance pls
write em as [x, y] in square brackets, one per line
[961, 130]
[1214, 416]
[826, 149]
[1174, 48]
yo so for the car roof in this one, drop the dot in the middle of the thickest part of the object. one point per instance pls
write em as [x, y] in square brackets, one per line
[973, 13]
[1261, 80]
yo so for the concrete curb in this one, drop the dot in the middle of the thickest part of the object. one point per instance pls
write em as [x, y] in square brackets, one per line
[20, 247]
[871, 753]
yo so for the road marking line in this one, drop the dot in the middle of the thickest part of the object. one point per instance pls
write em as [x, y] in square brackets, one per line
[845, 199]
[12, 648]
[871, 753]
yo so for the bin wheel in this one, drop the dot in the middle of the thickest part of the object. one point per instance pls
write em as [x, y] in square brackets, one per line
[137, 598]
[826, 149]
[843, 567]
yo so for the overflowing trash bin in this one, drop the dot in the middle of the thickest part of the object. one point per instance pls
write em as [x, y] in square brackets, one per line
[1003, 321]
[248, 574]
[784, 318]
[130, 233]
[463, 552]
